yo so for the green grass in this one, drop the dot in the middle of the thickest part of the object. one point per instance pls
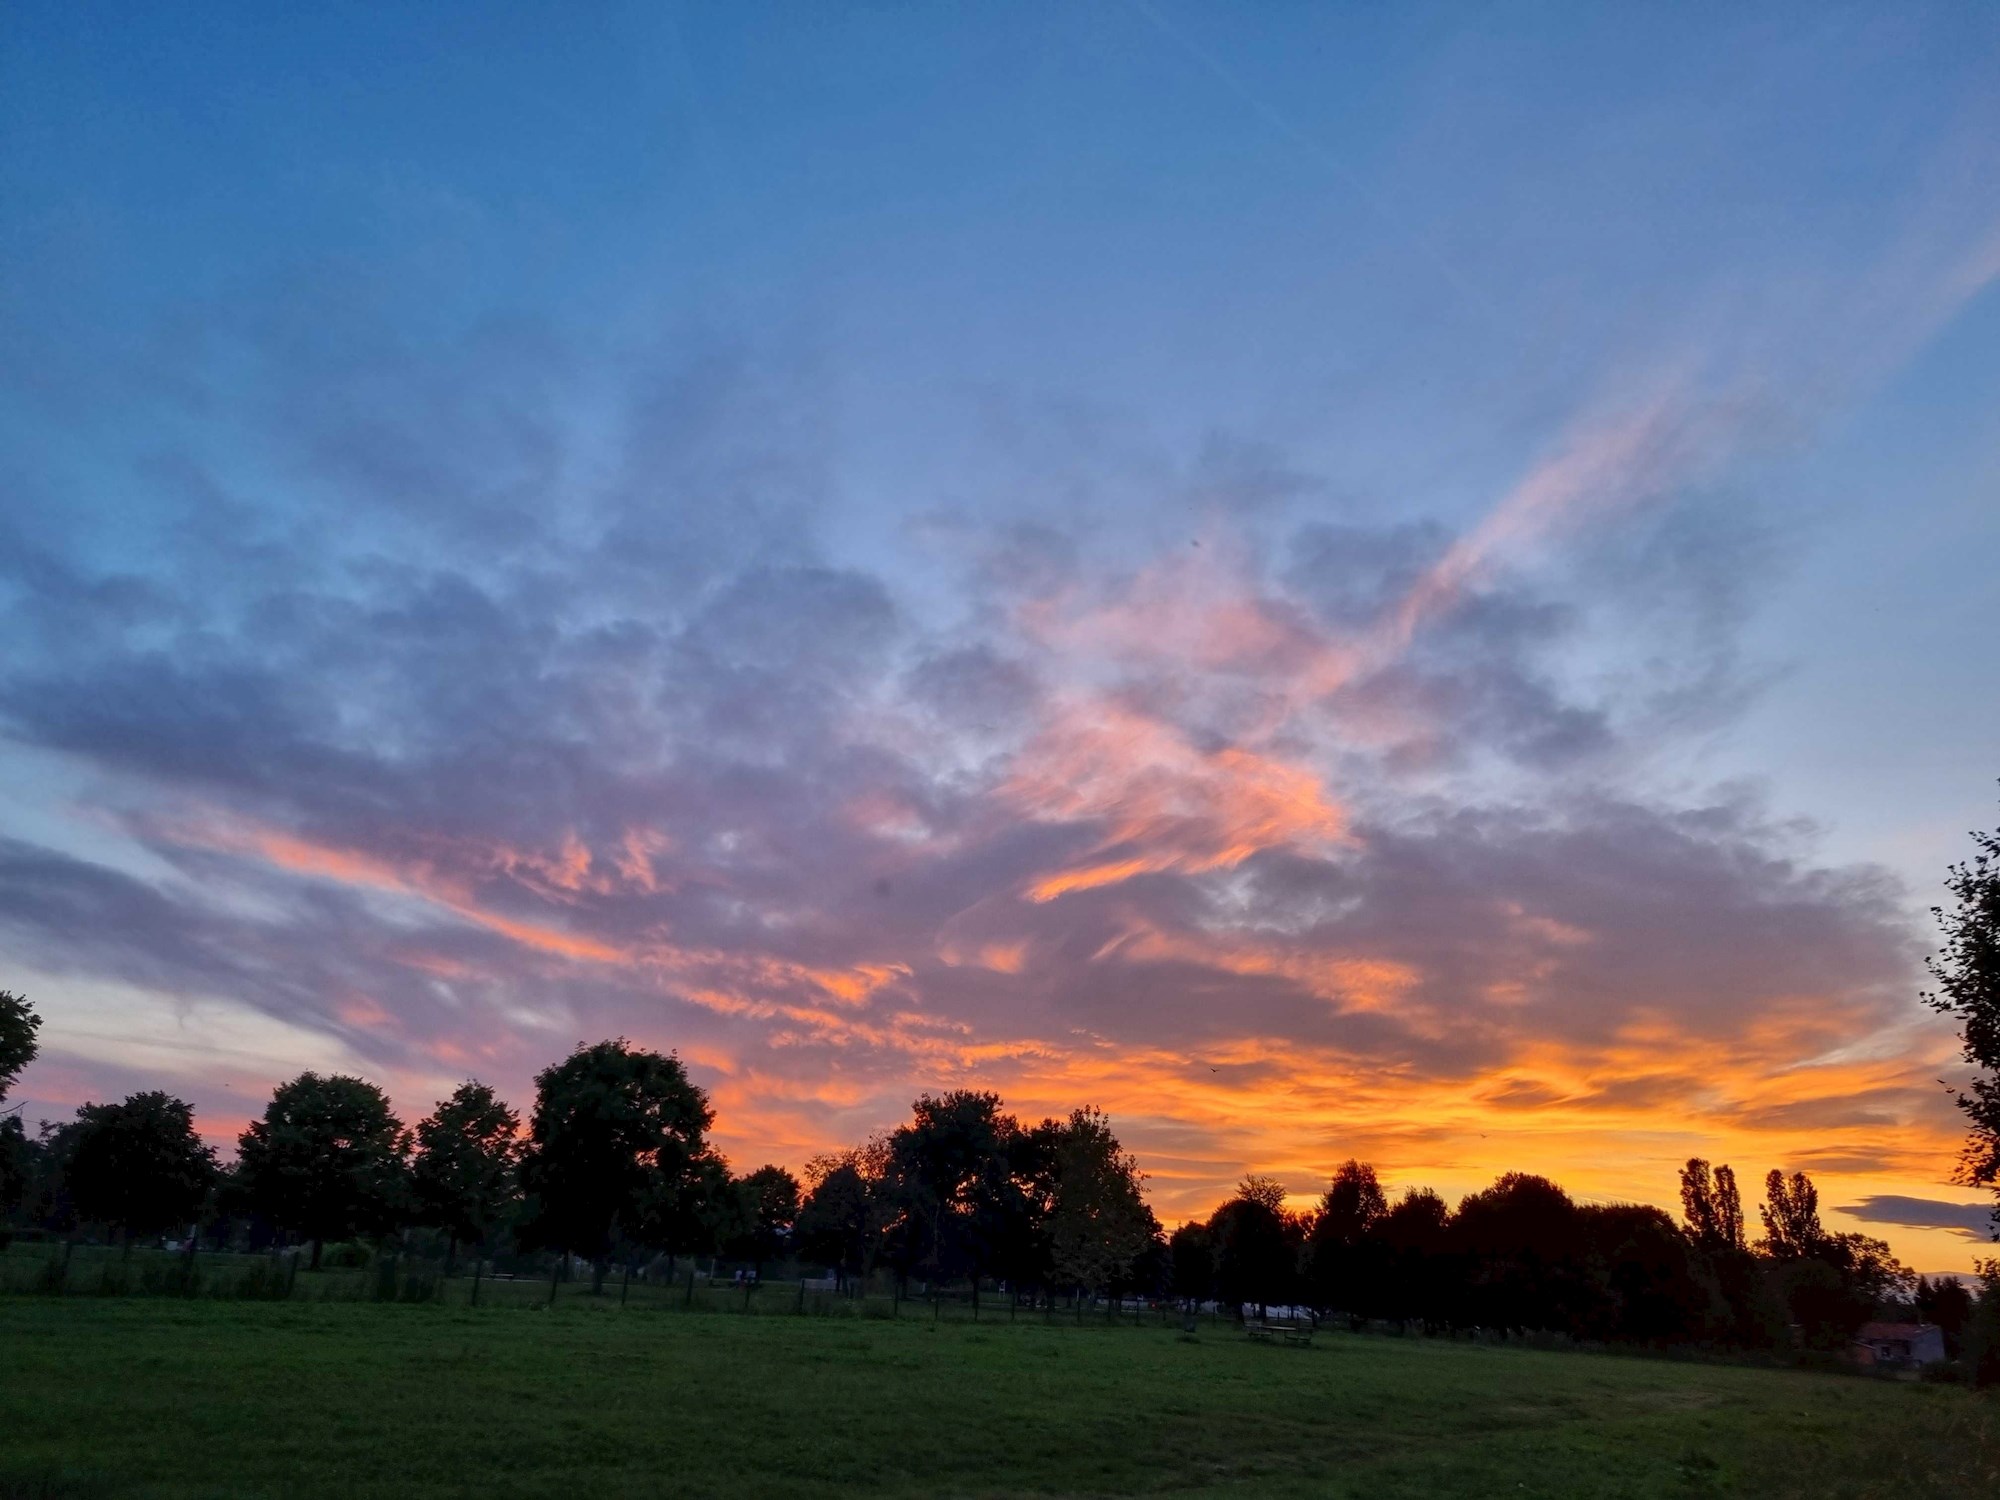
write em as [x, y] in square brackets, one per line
[154, 1397]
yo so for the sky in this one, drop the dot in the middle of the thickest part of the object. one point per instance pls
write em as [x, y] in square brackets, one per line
[1411, 583]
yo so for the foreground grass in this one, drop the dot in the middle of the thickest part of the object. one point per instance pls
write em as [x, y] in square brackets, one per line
[157, 1398]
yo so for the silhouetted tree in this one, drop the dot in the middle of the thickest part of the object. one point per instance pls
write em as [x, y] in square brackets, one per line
[616, 1130]
[1191, 1263]
[1711, 1206]
[768, 1207]
[463, 1176]
[685, 1212]
[1343, 1266]
[843, 1215]
[1790, 1212]
[1098, 1223]
[1948, 1304]
[17, 1166]
[1418, 1269]
[950, 1176]
[138, 1165]
[1256, 1245]
[1840, 1284]
[18, 1026]
[327, 1160]
[1982, 1328]
[1526, 1246]
[1967, 971]
[1829, 1284]
[1644, 1276]
[18, 1154]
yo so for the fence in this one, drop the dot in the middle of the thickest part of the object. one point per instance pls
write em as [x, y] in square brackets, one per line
[64, 1268]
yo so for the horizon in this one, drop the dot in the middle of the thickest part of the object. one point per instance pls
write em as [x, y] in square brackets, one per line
[1386, 586]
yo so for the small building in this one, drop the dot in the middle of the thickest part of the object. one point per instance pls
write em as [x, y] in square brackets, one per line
[1899, 1346]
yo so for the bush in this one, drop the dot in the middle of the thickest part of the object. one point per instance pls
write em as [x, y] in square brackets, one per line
[265, 1281]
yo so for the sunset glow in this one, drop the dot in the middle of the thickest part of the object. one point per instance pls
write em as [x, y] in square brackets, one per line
[1460, 665]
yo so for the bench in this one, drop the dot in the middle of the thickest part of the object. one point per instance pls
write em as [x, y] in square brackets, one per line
[1280, 1331]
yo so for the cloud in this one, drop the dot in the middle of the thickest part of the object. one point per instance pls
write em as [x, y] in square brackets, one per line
[1284, 838]
[1972, 1221]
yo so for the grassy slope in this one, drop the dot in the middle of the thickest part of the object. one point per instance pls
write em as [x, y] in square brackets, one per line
[193, 1398]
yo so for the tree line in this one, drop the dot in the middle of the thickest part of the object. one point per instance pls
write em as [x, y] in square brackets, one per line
[1523, 1256]
[615, 1165]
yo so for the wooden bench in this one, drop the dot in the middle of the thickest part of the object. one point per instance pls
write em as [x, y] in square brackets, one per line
[1280, 1331]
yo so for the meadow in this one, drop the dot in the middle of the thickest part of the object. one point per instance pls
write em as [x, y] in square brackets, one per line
[165, 1397]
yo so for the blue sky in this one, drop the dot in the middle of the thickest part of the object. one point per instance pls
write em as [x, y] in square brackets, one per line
[1256, 460]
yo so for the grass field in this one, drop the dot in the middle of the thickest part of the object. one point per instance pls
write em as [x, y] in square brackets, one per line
[158, 1397]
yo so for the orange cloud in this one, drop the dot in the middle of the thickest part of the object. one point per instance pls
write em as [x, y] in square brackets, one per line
[1164, 804]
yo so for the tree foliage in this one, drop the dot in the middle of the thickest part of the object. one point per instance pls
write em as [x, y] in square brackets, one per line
[950, 1175]
[1098, 1223]
[1711, 1206]
[763, 1208]
[138, 1165]
[18, 1025]
[616, 1129]
[1341, 1258]
[1256, 1245]
[844, 1213]
[328, 1160]
[463, 1176]
[1967, 971]
[1790, 1212]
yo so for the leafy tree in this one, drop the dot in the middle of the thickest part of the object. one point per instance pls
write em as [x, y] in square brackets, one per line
[768, 1208]
[17, 1165]
[1266, 1191]
[843, 1215]
[1415, 1238]
[1644, 1274]
[1342, 1260]
[18, 1025]
[1982, 1329]
[138, 1165]
[328, 1160]
[1711, 1206]
[683, 1213]
[950, 1175]
[1191, 1263]
[1352, 1203]
[1790, 1212]
[1098, 1222]
[1967, 971]
[1256, 1245]
[1838, 1285]
[1830, 1284]
[1946, 1303]
[463, 1177]
[617, 1132]
[1527, 1245]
